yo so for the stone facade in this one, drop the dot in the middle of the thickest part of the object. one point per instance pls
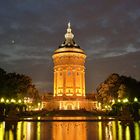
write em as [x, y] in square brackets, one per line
[69, 77]
[88, 105]
[69, 69]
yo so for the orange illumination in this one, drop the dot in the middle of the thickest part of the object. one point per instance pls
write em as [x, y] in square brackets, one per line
[69, 72]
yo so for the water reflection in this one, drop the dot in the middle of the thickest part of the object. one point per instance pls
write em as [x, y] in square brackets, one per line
[70, 130]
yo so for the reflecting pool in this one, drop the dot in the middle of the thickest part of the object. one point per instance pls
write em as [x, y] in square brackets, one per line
[70, 130]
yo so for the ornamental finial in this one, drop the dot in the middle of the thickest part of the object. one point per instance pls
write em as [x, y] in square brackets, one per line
[69, 28]
[69, 41]
[69, 25]
[69, 35]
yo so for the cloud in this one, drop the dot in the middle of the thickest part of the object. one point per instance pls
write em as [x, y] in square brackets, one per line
[106, 30]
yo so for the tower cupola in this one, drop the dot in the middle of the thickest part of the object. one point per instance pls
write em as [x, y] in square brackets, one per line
[69, 41]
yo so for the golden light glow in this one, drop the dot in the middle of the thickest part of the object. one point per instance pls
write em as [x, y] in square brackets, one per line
[19, 101]
[100, 130]
[7, 101]
[69, 72]
[2, 127]
[19, 137]
[2, 100]
[119, 100]
[69, 69]
[120, 130]
[13, 101]
[127, 133]
[135, 99]
[69, 131]
[125, 100]
[38, 131]
[137, 130]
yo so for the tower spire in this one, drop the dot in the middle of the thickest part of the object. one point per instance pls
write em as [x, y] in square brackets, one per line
[69, 24]
[69, 41]
[69, 35]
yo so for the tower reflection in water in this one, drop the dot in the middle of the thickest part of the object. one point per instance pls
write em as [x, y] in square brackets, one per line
[84, 130]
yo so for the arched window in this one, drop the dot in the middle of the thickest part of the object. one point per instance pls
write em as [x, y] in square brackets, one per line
[69, 73]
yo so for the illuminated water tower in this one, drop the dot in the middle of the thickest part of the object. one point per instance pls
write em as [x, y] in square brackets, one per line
[69, 68]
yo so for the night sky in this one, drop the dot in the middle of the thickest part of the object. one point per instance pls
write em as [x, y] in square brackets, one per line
[108, 31]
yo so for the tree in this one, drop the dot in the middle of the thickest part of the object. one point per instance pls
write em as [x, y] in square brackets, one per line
[15, 85]
[116, 86]
[108, 89]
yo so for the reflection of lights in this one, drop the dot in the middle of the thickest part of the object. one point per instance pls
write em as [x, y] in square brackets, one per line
[127, 133]
[119, 130]
[19, 130]
[28, 130]
[2, 127]
[110, 131]
[69, 130]
[38, 130]
[24, 125]
[113, 134]
[100, 130]
[10, 135]
[137, 131]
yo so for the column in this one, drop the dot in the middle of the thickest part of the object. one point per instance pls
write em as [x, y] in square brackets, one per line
[64, 81]
[54, 88]
[83, 82]
[74, 84]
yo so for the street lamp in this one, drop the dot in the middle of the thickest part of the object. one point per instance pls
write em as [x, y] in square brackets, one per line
[2, 100]
[13, 101]
[19, 101]
[7, 101]
[113, 101]
[135, 99]
[39, 105]
[125, 100]
[119, 100]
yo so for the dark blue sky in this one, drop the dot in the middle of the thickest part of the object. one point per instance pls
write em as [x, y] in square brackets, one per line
[108, 31]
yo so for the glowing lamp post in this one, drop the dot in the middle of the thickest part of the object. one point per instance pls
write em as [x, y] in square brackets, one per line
[7, 101]
[135, 99]
[13, 101]
[113, 101]
[2, 100]
[125, 100]
[39, 105]
[119, 100]
[19, 101]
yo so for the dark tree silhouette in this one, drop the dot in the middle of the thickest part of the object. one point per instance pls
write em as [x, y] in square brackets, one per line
[13, 85]
[116, 86]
